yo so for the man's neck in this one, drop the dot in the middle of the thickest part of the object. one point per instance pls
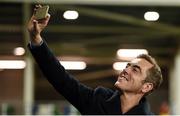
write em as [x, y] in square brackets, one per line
[128, 101]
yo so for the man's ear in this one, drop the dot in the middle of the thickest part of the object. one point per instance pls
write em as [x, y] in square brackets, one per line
[147, 87]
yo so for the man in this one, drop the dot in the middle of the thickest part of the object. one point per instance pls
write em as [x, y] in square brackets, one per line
[140, 77]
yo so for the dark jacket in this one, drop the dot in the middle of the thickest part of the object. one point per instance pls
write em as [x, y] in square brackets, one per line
[87, 100]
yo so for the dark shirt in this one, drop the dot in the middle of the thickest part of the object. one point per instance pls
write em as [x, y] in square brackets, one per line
[88, 101]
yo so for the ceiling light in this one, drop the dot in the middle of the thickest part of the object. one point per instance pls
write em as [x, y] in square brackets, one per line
[70, 15]
[129, 54]
[12, 64]
[20, 64]
[119, 65]
[151, 16]
[73, 65]
[19, 51]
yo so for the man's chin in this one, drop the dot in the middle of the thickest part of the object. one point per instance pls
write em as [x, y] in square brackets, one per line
[116, 84]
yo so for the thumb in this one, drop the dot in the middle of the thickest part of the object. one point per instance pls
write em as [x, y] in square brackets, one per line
[35, 24]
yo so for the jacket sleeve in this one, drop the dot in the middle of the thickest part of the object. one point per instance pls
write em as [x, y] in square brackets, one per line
[76, 93]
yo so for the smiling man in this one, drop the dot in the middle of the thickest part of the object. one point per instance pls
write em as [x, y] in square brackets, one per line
[140, 77]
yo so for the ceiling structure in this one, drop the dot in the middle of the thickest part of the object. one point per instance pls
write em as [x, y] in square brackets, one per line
[101, 29]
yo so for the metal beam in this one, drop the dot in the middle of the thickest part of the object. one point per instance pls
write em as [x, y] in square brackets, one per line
[90, 29]
[28, 89]
[112, 39]
[106, 2]
[95, 29]
[13, 28]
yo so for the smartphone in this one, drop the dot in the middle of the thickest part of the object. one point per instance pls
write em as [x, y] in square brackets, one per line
[42, 12]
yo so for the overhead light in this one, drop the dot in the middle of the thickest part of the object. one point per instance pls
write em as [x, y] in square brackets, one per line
[129, 54]
[12, 64]
[19, 51]
[20, 64]
[151, 16]
[119, 65]
[73, 65]
[70, 15]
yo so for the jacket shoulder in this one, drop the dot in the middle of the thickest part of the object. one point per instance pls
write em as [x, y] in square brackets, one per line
[103, 92]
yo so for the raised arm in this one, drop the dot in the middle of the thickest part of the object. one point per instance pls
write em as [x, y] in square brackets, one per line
[76, 93]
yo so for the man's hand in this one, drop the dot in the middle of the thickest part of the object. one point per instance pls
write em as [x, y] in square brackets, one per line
[35, 27]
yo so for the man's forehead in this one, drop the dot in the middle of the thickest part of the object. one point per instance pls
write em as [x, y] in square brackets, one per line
[136, 60]
[141, 62]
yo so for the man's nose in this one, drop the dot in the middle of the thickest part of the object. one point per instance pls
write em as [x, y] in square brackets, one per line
[127, 70]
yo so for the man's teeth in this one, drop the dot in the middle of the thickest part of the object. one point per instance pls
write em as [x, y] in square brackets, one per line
[122, 77]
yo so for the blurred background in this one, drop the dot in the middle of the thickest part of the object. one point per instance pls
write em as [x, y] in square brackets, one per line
[92, 33]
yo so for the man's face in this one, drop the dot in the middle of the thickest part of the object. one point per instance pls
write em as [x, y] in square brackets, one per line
[131, 78]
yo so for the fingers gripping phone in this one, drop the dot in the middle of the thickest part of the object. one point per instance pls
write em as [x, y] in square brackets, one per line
[42, 12]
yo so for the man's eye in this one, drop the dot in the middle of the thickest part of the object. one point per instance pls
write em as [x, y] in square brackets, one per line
[135, 69]
[127, 66]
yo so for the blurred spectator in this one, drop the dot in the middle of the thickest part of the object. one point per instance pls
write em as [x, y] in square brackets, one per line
[164, 109]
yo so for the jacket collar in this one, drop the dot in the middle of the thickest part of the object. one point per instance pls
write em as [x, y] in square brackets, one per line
[142, 108]
[115, 105]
